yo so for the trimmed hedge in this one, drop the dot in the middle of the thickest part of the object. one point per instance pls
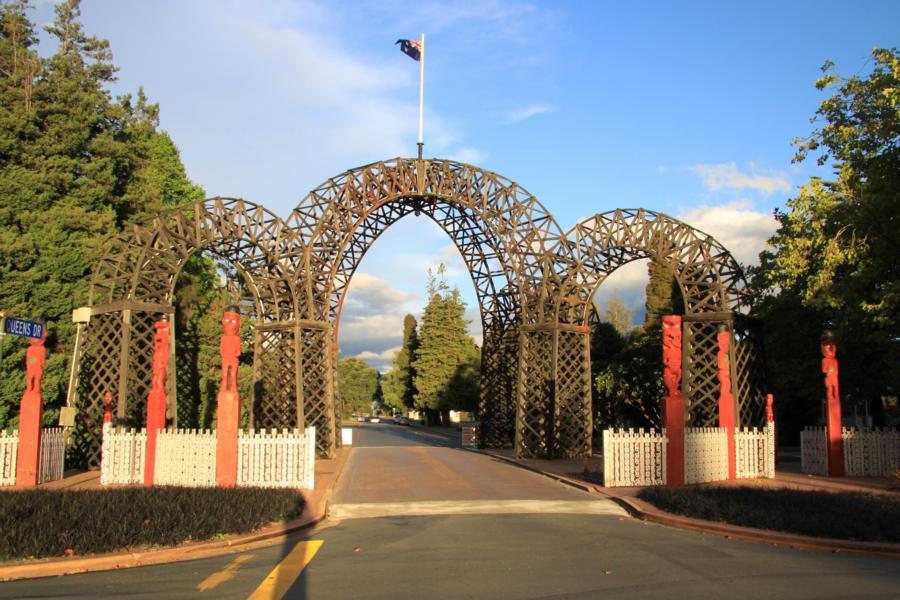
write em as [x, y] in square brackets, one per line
[839, 515]
[40, 523]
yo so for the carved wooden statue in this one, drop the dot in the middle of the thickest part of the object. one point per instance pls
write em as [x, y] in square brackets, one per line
[230, 347]
[671, 331]
[35, 359]
[832, 405]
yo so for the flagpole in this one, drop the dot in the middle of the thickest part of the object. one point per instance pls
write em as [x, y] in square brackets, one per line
[421, 94]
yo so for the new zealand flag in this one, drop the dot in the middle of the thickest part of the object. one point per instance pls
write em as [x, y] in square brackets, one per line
[411, 48]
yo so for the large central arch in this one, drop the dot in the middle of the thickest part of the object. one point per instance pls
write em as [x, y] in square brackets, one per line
[534, 285]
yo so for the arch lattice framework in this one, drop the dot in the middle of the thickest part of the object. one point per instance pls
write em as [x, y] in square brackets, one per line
[533, 282]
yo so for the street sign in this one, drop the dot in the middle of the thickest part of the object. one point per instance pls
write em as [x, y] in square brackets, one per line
[22, 328]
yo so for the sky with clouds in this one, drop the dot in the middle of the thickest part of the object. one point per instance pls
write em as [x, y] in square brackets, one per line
[682, 108]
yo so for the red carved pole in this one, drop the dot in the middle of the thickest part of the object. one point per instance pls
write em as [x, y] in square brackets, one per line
[673, 408]
[228, 412]
[30, 415]
[156, 400]
[107, 412]
[726, 398]
[770, 418]
[832, 406]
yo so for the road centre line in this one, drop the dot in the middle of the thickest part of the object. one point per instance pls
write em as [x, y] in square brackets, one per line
[220, 577]
[286, 572]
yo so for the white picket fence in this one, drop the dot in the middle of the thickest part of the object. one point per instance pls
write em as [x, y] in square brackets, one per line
[123, 452]
[185, 457]
[813, 451]
[705, 454]
[633, 458]
[755, 452]
[867, 453]
[51, 462]
[871, 453]
[283, 459]
[9, 446]
[53, 454]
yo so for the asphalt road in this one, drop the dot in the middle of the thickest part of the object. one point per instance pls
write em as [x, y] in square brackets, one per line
[536, 540]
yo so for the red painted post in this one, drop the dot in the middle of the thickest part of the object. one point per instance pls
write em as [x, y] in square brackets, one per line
[673, 408]
[228, 412]
[107, 412]
[30, 415]
[156, 400]
[726, 398]
[832, 406]
[770, 418]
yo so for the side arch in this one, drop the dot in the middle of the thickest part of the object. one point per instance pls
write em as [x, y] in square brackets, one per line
[133, 286]
[713, 287]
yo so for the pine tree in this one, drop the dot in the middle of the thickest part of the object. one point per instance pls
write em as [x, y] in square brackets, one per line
[445, 351]
[663, 294]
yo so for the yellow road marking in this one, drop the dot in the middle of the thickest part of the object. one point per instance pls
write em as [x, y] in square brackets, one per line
[286, 572]
[220, 577]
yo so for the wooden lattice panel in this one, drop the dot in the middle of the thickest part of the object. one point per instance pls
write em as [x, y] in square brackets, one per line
[535, 395]
[700, 376]
[98, 374]
[749, 368]
[318, 388]
[497, 404]
[140, 366]
[275, 387]
[573, 395]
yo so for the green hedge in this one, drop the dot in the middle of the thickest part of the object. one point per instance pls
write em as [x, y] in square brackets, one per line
[839, 515]
[43, 523]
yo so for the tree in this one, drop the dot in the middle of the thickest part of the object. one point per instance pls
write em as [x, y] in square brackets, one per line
[663, 294]
[75, 169]
[836, 254]
[444, 349]
[618, 315]
[358, 383]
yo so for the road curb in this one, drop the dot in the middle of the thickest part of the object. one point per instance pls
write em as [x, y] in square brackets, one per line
[269, 535]
[647, 512]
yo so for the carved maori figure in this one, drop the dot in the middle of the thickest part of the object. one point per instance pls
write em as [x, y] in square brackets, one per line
[830, 368]
[671, 330]
[160, 357]
[35, 359]
[230, 347]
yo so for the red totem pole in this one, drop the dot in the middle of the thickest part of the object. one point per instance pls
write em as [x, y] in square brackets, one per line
[832, 406]
[673, 408]
[156, 401]
[229, 403]
[31, 414]
[107, 411]
[726, 398]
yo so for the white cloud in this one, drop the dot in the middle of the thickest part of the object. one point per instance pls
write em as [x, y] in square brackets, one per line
[742, 230]
[471, 156]
[727, 176]
[520, 114]
[379, 360]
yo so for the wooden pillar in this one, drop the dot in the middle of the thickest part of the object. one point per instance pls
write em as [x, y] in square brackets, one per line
[835, 441]
[156, 399]
[673, 407]
[30, 416]
[228, 411]
[726, 395]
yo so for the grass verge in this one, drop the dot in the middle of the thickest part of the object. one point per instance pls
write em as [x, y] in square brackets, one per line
[839, 515]
[41, 523]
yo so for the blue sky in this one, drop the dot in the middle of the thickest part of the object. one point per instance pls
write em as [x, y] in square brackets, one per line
[684, 108]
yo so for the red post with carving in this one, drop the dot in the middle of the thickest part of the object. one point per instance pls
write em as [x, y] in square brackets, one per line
[228, 412]
[673, 408]
[31, 411]
[726, 397]
[107, 411]
[156, 400]
[832, 406]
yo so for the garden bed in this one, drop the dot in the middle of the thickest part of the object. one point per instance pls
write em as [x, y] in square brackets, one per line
[837, 515]
[42, 523]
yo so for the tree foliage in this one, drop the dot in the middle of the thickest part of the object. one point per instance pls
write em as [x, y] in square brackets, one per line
[76, 167]
[357, 384]
[447, 361]
[835, 256]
